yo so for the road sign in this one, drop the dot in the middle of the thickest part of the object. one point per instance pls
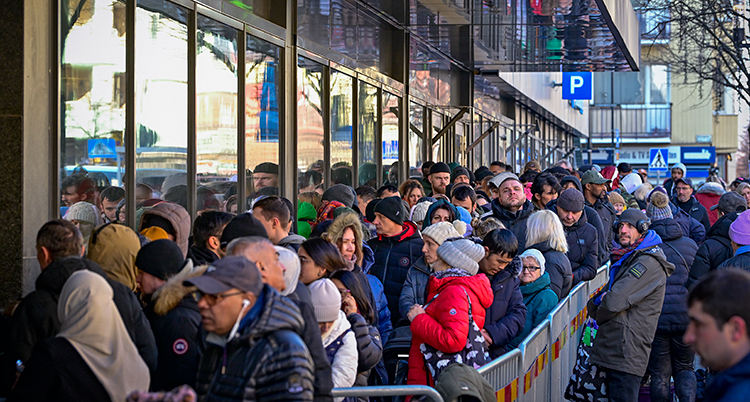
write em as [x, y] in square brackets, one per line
[698, 155]
[102, 148]
[578, 85]
[658, 161]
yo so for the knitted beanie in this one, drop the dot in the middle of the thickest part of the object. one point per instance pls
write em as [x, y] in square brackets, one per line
[326, 300]
[658, 207]
[341, 193]
[462, 253]
[81, 211]
[392, 208]
[536, 254]
[419, 211]
[160, 258]
[440, 232]
[615, 198]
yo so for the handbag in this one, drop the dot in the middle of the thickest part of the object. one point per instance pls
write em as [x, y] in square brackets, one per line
[588, 382]
[473, 355]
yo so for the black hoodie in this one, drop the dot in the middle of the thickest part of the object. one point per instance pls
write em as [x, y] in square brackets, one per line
[604, 231]
[583, 248]
[716, 249]
[515, 222]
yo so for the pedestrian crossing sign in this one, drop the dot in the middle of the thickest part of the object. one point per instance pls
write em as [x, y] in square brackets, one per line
[658, 162]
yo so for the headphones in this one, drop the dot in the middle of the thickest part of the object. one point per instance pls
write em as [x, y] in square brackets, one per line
[641, 226]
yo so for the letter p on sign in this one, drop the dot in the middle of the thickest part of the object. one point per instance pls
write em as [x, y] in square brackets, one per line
[577, 86]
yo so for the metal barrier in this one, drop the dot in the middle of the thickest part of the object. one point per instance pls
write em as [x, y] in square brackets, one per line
[600, 280]
[393, 390]
[503, 374]
[535, 356]
[559, 353]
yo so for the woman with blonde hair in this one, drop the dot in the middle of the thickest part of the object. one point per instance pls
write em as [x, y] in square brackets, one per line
[545, 232]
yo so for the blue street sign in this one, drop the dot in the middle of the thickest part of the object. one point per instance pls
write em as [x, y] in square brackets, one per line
[698, 155]
[658, 161]
[578, 85]
[102, 148]
[601, 156]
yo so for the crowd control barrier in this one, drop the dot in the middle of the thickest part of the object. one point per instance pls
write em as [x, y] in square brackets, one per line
[395, 390]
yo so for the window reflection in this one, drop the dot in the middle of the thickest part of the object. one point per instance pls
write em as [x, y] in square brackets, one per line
[310, 130]
[161, 79]
[477, 151]
[216, 114]
[342, 100]
[437, 147]
[93, 93]
[368, 123]
[416, 121]
[390, 137]
[262, 94]
[460, 144]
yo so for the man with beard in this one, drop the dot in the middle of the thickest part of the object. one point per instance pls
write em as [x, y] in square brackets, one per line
[510, 206]
[595, 191]
[439, 178]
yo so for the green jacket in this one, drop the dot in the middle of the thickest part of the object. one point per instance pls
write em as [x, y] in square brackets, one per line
[426, 186]
[539, 300]
[305, 214]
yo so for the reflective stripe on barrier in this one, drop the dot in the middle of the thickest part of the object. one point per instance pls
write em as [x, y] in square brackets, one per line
[559, 355]
[534, 357]
[394, 390]
[503, 374]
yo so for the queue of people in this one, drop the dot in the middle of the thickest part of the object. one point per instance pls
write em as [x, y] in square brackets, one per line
[452, 267]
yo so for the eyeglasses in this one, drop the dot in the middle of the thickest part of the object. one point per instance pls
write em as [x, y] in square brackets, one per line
[530, 268]
[344, 292]
[212, 299]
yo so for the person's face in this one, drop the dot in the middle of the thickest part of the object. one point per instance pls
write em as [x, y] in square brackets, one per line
[628, 234]
[440, 215]
[219, 312]
[233, 209]
[70, 196]
[568, 218]
[596, 190]
[425, 172]
[267, 223]
[346, 244]
[414, 195]
[547, 195]
[309, 270]
[568, 185]
[430, 250]
[461, 179]
[265, 180]
[711, 342]
[511, 194]
[267, 259]
[141, 194]
[677, 174]
[439, 181]
[466, 204]
[148, 283]
[746, 194]
[385, 226]
[683, 192]
[110, 209]
[619, 207]
[362, 203]
[325, 326]
[531, 270]
[493, 263]
[496, 169]
[346, 295]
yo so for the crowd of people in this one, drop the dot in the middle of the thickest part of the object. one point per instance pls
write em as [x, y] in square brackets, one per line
[452, 269]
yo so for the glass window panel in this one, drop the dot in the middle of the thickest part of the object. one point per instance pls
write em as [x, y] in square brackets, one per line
[262, 96]
[390, 136]
[460, 143]
[659, 84]
[93, 95]
[216, 84]
[344, 27]
[477, 151]
[416, 120]
[161, 79]
[437, 148]
[368, 123]
[310, 129]
[342, 115]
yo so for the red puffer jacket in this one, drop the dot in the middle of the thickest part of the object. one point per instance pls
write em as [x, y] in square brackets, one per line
[445, 325]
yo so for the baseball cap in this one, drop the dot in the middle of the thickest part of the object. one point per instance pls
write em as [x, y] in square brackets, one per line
[229, 273]
[685, 180]
[730, 202]
[500, 178]
[593, 176]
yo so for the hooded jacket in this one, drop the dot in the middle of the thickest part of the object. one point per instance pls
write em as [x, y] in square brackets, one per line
[35, 318]
[369, 347]
[605, 233]
[292, 242]
[539, 300]
[393, 257]
[178, 217]
[559, 268]
[507, 314]
[344, 361]
[431, 211]
[708, 195]
[176, 322]
[445, 323]
[114, 248]
[690, 227]
[266, 361]
[415, 287]
[201, 255]
[739, 260]
[680, 251]
[515, 222]
[583, 250]
[732, 384]
[629, 312]
[695, 210]
[716, 249]
[306, 215]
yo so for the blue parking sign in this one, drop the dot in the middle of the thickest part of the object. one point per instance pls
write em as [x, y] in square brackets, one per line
[578, 85]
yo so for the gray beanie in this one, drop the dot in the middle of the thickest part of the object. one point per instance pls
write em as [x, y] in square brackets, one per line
[326, 300]
[82, 211]
[419, 211]
[462, 253]
[341, 193]
[440, 232]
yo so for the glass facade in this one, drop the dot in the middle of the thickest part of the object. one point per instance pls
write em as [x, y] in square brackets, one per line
[416, 128]
[390, 158]
[342, 116]
[310, 126]
[367, 135]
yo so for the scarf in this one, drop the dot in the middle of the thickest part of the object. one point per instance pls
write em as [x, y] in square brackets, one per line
[93, 326]
[453, 272]
[618, 253]
[325, 213]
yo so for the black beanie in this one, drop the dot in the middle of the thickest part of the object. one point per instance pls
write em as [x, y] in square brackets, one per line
[242, 225]
[161, 258]
[267, 167]
[459, 171]
[370, 210]
[392, 208]
[440, 167]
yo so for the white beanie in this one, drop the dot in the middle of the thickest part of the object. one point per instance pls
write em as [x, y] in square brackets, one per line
[536, 254]
[631, 181]
[292, 268]
[81, 211]
[419, 211]
[461, 253]
[326, 300]
[441, 231]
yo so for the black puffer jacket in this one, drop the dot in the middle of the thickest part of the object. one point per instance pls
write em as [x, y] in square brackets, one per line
[267, 361]
[694, 208]
[515, 222]
[369, 347]
[393, 257]
[716, 249]
[740, 261]
[608, 216]
[505, 318]
[680, 251]
[35, 318]
[583, 249]
[690, 226]
[558, 266]
[605, 233]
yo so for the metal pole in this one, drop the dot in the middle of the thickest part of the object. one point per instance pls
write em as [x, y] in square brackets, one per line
[612, 110]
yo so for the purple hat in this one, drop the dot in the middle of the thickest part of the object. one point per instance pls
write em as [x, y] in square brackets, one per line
[739, 232]
[659, 189]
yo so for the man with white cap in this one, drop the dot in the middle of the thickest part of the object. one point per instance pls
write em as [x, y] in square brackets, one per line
[510, 207]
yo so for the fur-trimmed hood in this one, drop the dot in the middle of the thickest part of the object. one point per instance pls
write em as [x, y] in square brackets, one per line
[711, 188]
[170, 295]
[336, 231]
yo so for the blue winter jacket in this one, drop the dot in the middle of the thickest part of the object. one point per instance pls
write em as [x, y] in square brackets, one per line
[732, 384]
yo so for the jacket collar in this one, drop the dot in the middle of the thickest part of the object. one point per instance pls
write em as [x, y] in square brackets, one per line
[409, 229]
[536, 286]
[505, 215]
